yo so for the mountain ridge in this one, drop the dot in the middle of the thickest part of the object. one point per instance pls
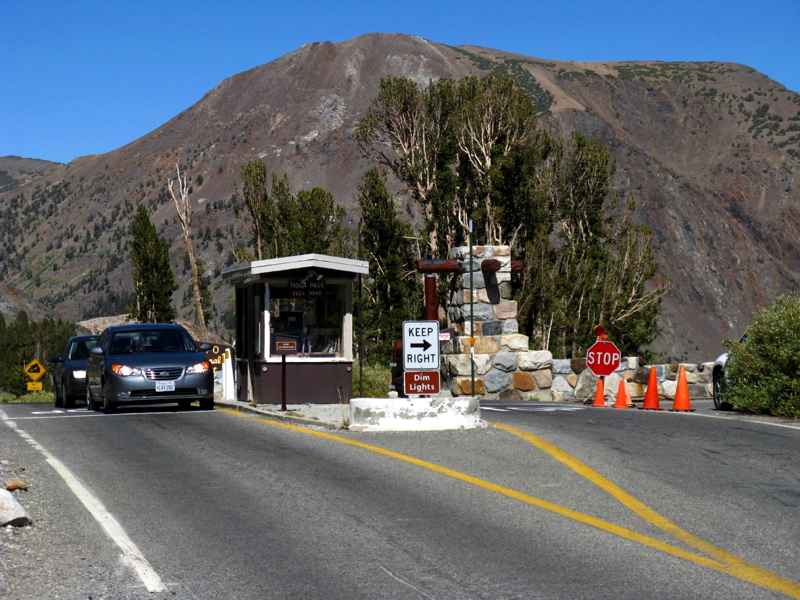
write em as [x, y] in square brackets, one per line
[713, 171]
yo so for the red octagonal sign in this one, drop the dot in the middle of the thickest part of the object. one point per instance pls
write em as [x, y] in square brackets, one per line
[603, 358]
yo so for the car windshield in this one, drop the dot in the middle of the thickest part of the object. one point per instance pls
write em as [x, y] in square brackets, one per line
[79, 350]
[156, 340]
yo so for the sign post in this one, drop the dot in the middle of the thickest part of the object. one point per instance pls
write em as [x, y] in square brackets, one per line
[284, 347]
[34, 371]
[421, 358]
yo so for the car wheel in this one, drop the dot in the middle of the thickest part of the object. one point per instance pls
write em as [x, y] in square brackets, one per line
[65, 399]
[718, 380]
[207, 404]
[108, 405]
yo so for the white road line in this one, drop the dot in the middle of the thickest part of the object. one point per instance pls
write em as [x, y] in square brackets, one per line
[494, 409]
[94, 414]
[131, 555]
[737, 420]
[47, 412]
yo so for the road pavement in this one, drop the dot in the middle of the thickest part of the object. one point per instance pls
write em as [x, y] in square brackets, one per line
[225, 505]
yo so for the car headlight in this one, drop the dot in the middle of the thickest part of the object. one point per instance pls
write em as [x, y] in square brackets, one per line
[125, 370]
[79, 374]
[201, 367]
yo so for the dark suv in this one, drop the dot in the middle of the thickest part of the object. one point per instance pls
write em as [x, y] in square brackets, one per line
[148, 363]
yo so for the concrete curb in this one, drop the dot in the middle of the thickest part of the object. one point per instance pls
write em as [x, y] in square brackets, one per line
[278, 415]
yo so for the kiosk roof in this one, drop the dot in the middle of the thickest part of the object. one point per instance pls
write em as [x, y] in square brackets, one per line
[293, 263]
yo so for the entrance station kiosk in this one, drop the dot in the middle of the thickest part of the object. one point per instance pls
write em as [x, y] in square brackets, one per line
[300, 307]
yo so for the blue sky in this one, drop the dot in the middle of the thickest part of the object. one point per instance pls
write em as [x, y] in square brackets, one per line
[84, 76]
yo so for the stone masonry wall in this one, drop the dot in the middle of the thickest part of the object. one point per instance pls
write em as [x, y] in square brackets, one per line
[572, 381]
[505, 368]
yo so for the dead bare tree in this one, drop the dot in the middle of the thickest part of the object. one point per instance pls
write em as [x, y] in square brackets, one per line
[495, 116]
[183, 207]
[405, 130]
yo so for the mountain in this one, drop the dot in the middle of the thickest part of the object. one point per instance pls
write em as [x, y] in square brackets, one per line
[16, 171]
[711, 152]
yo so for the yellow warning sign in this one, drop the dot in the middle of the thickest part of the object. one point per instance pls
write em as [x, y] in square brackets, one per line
[34, 386]
[35, 370]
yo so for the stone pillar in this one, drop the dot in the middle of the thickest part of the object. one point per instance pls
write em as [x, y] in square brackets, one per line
[505, 368]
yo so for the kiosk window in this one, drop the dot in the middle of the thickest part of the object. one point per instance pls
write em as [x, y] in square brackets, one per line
[313, 320]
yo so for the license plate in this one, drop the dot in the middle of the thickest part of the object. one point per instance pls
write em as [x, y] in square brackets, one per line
[165, 386]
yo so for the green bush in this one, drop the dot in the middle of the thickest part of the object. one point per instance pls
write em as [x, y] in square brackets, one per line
[29, 398]
[764, 368]
[377, 379]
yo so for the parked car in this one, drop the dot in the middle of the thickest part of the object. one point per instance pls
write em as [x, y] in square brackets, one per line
[148, 363]
[68, 370]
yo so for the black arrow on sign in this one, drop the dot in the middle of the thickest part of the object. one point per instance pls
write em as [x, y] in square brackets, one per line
[425, 344]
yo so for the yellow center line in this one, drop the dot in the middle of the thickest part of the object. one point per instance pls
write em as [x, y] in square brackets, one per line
[735, 565]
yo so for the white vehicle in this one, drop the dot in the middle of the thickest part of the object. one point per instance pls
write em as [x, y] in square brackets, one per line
[719, 382]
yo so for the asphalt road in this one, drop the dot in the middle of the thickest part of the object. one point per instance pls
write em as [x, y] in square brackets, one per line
[221, 505]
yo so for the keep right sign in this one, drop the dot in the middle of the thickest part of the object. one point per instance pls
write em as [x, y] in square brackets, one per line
[603, 358]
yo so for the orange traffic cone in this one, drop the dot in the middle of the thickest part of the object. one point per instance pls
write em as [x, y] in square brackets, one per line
[599, 394]
[623, 399]
[651, 395]
[682, 401]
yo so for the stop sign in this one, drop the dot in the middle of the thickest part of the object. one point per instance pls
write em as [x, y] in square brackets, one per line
[603, 358]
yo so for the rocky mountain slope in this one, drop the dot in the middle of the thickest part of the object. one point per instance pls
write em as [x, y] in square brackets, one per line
[16, 171]
[711, 151]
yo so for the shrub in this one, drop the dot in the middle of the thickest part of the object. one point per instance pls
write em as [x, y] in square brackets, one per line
[377, 378]
[764, 372]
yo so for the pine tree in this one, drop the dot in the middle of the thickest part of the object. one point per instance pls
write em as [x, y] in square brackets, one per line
[392, 291]
[153, 279]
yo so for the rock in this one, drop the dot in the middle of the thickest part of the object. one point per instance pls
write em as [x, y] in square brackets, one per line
[13, 485]
[470, 264]
[492, 328]
[486, 345]
[523, 381]
[560, 384]
[669, 387]
[11, 511]
[584, 388]
[516, 342]
[506, 310]
[510, 326]
[505, 361]
[501, 250]
[632, 362]
[483, 362]
[540, 396]
[477, 281]
[482, 312]
[578, 365]
[455, 314]
[535, 359]
[544, 378]
[562, 366]
[511, 396]
[462, 387]
[572, 379]
[457, 364]
[497, 380]
[506, 291]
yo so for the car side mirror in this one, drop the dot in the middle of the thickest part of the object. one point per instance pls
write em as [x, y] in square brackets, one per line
[97, 351]
[204, 346]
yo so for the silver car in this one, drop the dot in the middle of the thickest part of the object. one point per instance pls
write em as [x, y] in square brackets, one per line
[148, 363]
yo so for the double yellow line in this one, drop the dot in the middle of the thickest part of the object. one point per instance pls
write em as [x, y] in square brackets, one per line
[717, 559]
